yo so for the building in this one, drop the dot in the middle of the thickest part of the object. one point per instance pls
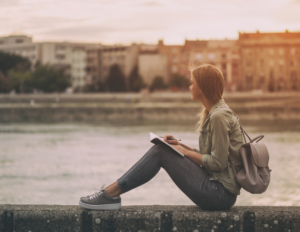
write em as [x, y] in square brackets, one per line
[176, 64]
[270, 61]
[224, 54]
[21, 45]
[93, 66]
[71, 56]
[152, 64]
[126, 57]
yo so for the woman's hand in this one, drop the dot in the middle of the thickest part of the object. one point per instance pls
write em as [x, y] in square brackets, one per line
[181, 149]
[171, 140]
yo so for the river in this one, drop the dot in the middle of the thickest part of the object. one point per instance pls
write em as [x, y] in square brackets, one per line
[59, 163]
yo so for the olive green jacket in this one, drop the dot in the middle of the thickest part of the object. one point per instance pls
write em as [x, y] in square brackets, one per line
[219, 137]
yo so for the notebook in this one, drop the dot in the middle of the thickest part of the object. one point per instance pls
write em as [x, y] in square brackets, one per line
[157, 140]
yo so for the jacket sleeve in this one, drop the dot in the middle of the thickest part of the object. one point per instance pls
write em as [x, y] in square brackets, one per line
[219, 135]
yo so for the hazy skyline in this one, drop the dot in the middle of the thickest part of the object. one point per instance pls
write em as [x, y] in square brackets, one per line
[145, 21]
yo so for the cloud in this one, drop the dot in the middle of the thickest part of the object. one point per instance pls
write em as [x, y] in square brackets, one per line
[146, 20]
[151, 4]
[8, 2]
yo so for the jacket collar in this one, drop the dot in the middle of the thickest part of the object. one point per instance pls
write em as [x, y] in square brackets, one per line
[216, 105]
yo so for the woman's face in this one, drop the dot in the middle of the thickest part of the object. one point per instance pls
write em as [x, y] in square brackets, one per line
[196, 92]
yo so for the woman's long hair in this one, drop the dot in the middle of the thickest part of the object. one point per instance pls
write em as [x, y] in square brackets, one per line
[211, 82]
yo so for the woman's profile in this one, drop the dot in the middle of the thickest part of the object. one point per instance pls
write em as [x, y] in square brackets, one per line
[204, 175]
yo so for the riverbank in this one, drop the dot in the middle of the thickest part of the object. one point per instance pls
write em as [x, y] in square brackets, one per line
[159, 218]
[142, 107]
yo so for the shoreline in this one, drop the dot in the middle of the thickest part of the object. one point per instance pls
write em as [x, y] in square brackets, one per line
[139, 107]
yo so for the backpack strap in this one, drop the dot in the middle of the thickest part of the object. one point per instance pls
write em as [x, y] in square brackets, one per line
[244, 133]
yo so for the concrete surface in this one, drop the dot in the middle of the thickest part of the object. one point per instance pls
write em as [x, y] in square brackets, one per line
[157, 218]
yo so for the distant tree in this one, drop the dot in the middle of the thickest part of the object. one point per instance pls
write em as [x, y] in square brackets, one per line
[20, 81]
[15, 72]
[4, 83]
[178, 81]
[96, 86]
[116, 79]
[50, 79]
[11, 61]
[158, 83]
[136, 82]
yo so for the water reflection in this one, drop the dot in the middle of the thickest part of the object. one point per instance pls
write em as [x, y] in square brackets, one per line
[56, 164]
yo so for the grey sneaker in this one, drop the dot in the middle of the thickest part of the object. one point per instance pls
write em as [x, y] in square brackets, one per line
[100, 201]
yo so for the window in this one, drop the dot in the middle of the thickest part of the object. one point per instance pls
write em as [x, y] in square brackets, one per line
[293, 63]
[19, 40]
[174, 50]
[293, 51]
[281, 51]
[234, 65]
[294, 76]
[60, 56]
[271, 62]
[224, 66]
[59, 47]
[271, 51]
[262, 63]
[223, 56]
[174, 69]
[261, 51]
[249, 81]
[249, 63]
[281, 62]
[198, 56]
[262, 79]
[211, 56]
[294, 85]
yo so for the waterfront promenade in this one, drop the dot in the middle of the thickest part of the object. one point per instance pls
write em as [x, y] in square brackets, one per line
[138, 106]
[157, 218]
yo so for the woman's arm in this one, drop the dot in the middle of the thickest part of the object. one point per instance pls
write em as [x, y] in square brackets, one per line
[195, 156]
[191, 154]
[186, 147]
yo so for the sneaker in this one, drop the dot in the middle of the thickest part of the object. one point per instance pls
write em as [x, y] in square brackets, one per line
[100, 201]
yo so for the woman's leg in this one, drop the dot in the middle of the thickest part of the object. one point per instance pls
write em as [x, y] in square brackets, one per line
[186, 174]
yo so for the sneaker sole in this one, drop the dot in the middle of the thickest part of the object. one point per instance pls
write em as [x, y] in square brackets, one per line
[101, 207]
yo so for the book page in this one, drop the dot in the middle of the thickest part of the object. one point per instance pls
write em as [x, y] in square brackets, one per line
[157, 140]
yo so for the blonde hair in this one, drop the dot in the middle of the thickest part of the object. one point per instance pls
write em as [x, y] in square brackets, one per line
[211, 82]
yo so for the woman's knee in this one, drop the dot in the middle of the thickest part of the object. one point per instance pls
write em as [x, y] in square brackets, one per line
[159, 149]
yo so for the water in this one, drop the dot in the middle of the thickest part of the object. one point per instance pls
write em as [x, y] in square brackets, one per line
[56, 164]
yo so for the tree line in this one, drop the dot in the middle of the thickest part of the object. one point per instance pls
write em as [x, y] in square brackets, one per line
[17, 74]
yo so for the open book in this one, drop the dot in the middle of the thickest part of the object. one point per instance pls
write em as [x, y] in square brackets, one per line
[157, 140]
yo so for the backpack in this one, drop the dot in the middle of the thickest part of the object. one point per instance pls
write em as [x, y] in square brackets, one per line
[255, 175]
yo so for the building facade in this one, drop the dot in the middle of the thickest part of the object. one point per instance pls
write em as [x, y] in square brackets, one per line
[224, 54]
[152, 64]
[21, 45]
[174, 56]
[71, 56]
[270, 61]
[126, 57]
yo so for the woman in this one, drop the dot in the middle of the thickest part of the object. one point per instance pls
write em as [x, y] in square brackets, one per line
[204, 175]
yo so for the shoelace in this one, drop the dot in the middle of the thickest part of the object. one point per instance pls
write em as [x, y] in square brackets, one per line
[98, 193]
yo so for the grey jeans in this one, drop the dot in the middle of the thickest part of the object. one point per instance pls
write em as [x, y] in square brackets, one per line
[186, 174]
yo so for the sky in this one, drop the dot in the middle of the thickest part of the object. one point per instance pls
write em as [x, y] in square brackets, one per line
[145, 21]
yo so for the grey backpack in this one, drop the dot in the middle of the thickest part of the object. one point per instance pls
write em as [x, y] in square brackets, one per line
[255, 176]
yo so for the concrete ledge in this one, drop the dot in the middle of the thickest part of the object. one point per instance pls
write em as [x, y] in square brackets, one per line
[44, 218]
